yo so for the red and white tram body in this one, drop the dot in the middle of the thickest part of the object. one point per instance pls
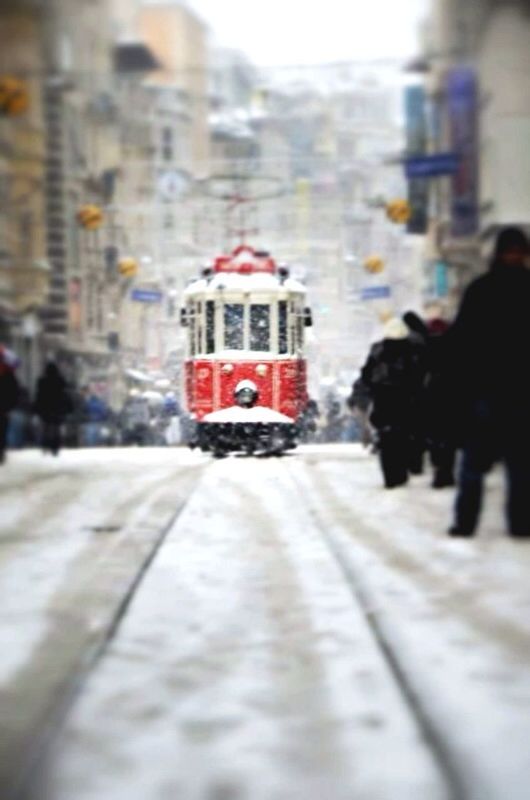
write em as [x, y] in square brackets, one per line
[245, 371]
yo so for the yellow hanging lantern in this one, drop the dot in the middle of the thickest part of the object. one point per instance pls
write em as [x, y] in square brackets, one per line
[90, 217]
[128, 267]
[398, 211]
[374, 264]
[14, 96]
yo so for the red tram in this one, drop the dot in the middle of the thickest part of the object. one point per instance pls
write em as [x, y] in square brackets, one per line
[245, 373]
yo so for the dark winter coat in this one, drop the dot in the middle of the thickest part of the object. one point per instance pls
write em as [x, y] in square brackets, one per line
[489, 361]
[393, 375]
[52, 400]
[359, 397]
[9, 390]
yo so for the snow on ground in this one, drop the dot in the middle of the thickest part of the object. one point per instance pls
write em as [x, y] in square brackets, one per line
[49, 508]
[243, 669]
[74, 531]
[253, 661]
[456, 612]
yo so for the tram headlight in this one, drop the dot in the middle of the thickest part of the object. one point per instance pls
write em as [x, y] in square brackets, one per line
[246, 394]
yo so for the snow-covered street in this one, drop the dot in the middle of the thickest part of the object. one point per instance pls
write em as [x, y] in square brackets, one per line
[178, 627]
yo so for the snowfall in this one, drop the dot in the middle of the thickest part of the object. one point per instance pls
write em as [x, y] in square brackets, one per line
[174, 627]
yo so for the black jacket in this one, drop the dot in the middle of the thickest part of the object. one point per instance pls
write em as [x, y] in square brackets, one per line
[52, 401]
[489, 357]
[9, 391]
[393, 375]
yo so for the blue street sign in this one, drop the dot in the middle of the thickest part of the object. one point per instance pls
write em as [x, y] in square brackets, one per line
[431, 166]
[146, 295]
[375, 292]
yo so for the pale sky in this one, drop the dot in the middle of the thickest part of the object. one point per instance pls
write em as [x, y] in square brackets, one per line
[274, 32]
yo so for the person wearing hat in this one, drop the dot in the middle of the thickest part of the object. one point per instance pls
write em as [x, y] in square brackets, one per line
[488, 370]
[393, 377]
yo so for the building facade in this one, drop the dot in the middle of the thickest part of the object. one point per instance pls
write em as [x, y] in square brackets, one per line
[24, 265]
[476, 63]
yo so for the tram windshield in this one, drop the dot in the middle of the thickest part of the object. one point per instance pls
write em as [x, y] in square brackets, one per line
[259, 327]
[234, 326]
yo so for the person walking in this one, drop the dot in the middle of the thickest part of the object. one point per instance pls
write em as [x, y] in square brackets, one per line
[9, 394]
[393, 376]
[439, 436]
[95, 414]
[52, 404]
[488, 368]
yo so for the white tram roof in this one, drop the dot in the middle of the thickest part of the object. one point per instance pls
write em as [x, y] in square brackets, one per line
[240, 283]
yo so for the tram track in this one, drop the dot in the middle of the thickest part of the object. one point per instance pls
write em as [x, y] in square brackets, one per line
[274, 648]
[459, 658]
[83, 615]
[366, 600]
[288, 663]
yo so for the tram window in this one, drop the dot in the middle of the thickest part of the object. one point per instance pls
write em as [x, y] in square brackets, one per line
[191, 329]
[210, 326]
[300, 330]
[233, 319]
[259, 327]
[293, 339]
[282, 327]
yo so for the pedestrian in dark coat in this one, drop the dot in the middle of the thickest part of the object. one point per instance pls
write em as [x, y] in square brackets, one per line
[437, 401]
[9, 393]
[52, 404]
[490, 354]
[393, 375]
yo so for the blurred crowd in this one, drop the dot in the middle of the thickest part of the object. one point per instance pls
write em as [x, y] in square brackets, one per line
[59, 415]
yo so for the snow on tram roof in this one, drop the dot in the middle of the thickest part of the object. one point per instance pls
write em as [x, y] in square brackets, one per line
[234, 281]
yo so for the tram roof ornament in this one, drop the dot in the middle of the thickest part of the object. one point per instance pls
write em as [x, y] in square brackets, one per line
[245, 261]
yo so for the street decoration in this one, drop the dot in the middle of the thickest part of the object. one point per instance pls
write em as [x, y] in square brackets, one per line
[14, 96]
[374, 264]
[128, 267]
[90, 217]
[398, 211]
